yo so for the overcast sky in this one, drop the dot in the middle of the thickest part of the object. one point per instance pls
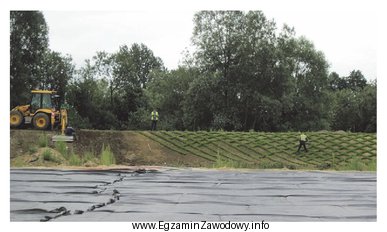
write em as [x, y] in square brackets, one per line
[347, 38]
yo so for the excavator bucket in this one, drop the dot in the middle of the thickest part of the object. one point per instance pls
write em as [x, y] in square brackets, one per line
[63, 138]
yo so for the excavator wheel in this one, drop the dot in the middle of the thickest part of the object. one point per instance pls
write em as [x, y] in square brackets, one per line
[41, 121]
[16, 119]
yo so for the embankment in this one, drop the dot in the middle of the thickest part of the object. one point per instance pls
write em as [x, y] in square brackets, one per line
[327, 150]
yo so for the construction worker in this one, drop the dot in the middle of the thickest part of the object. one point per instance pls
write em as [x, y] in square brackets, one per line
[154, 118]
[70, 132]
[303, 140]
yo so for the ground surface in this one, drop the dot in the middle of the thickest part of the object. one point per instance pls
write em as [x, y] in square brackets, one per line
[191, 194]
[327, 150]
[129, 148]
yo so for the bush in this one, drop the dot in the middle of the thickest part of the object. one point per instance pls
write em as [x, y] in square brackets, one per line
[107, 156]
[140, 119]
[32, 149]
[225, 122]
[76, 120]
[47, 156]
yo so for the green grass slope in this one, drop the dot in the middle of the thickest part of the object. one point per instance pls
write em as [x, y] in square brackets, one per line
[327, 150]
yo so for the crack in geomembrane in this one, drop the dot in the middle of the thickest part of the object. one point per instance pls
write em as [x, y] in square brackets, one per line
[62, 211]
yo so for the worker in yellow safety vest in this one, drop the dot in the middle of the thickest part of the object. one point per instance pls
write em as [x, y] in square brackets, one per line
[154, 118]
[303, 140]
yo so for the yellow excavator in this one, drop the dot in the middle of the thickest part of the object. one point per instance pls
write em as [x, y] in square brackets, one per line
[43, 112]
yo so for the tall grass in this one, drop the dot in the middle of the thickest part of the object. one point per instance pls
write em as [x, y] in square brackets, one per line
[88, 156]
[372, 165]
[227, 163]
[89, 159]
[333, 164]
[222, 162]
[32, 149]
[355, 164]
[266, 164]
[48, 156]
[62, 148]
[74, 160]
[43, 140]
[107, 156]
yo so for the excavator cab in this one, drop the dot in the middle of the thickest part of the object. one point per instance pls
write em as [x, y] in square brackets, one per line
[41, 101]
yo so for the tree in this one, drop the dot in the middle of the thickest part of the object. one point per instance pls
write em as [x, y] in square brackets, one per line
[354, 102]
[167, 92]
[261, 82]
[55, 72]
[356, 80]
[217, 35]
[309, 83]
[345, 110]
[367, 108]
[104, 66]
[28, 44]
[112, 87]
[355, 110]
[335, 82]
[89, 97]
[255, 70]
[200, 102]
[143, 63]
[238, 48]
[131, 73]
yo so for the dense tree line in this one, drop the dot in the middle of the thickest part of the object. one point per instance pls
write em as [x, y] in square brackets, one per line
[245, 74]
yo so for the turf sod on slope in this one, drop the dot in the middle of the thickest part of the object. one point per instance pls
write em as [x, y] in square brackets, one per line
[327, 150]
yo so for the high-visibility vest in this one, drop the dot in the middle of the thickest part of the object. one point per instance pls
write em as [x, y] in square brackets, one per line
[303, 137]
[155, 116]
